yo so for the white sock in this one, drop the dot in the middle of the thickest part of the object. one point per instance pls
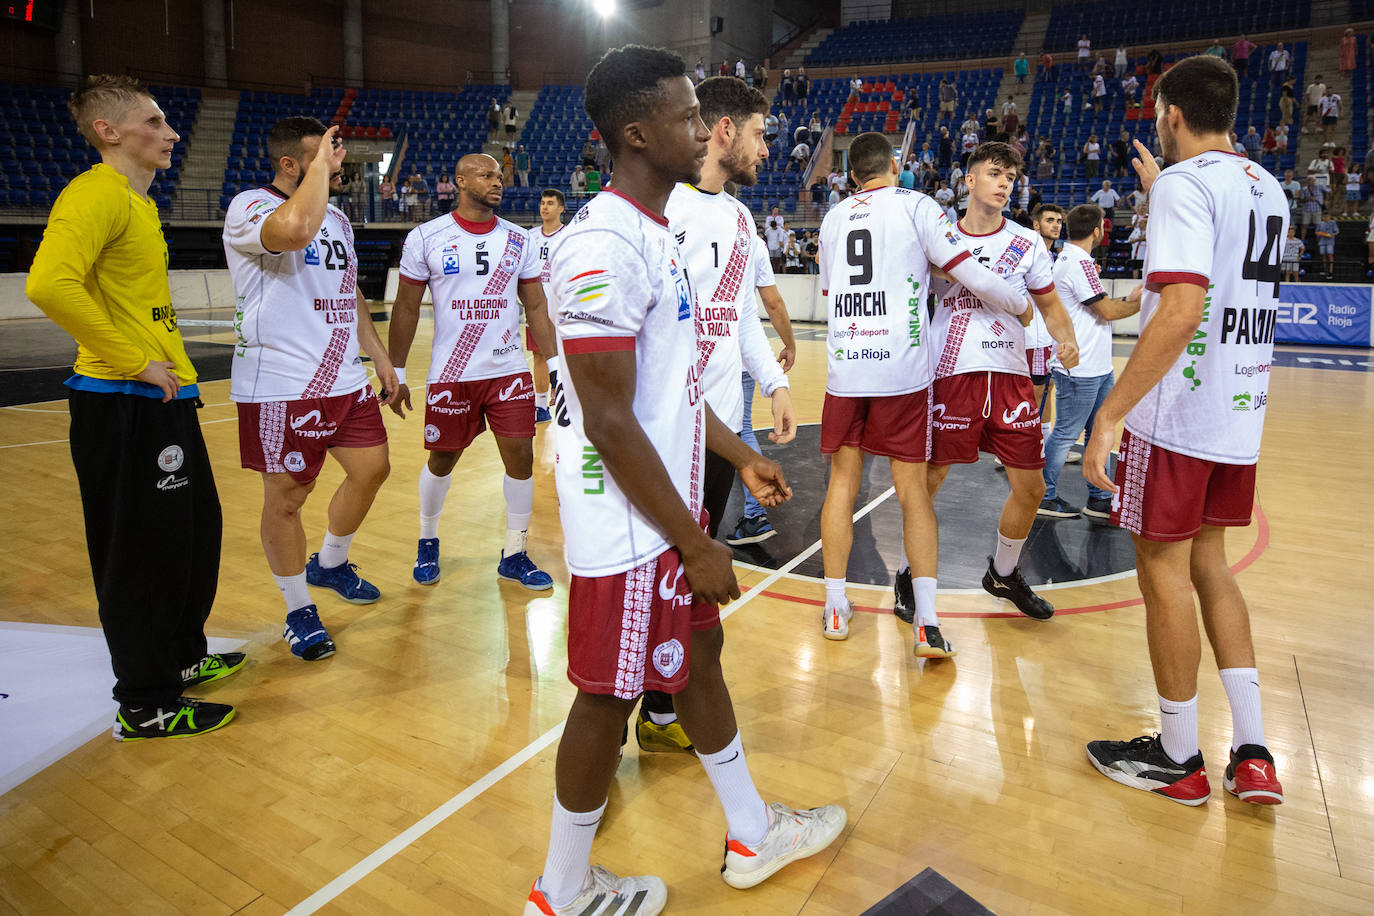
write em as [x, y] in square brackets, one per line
[924, 589]
[519, 508]
[541, 399]
[745, 812]
[570, 852]
[1008, 554]
[433, 490]
[294, 591]
[1243, 693]
[1178, 728]
[834, 593]
[334, 550]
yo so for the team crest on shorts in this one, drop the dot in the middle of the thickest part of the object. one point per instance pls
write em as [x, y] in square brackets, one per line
[170, 458]
[294, 461]
[668, 657]
[431, 433]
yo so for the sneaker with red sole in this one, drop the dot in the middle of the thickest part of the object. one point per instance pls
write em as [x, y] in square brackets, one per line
[1251, 777]
[1142, 764]
[604, 894]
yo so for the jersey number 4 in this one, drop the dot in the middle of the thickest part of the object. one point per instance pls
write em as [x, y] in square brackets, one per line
[1265, 268]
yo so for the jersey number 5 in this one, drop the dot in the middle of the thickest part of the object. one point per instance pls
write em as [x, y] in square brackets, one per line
[1265, 268]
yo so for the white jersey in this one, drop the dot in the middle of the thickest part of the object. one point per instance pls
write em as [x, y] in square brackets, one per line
[619, 282]
[877, 342]
[763, 268]
[970, 337]
[471, 270]
[541, 244]
[1217, 221]
[716, 235]
[296, 312]
[1078, 285]
[1037, 334]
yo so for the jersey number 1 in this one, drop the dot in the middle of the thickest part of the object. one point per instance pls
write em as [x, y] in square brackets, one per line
[1265, 268]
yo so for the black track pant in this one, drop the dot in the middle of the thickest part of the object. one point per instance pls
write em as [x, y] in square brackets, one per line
[153, 534]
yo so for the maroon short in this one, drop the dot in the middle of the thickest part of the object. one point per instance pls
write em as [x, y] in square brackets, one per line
[1164, 496]
[456, 413]
[896, 426]
[1038, 359]
[990, 411]
[291, 437]
[529, 342]
[632, 631]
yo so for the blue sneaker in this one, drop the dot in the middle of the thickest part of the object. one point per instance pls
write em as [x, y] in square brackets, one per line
[518, 567]
[344, 579]
[306, 636]
[426, 570]
[542, 415]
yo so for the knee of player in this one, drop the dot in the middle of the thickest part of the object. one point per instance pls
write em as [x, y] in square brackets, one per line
[284, 496]
[706, 647]
[441, 464]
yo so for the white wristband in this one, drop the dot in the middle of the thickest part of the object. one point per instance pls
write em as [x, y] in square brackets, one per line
[400, 374]
[554, 363]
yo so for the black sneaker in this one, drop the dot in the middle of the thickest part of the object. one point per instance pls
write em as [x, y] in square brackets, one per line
[213, 667]
[903, 597]
[1013, 587]
[1142, 764]
[931, 643]
[1056, 508]
[183, 719]
[751, 530]
[1099, 508]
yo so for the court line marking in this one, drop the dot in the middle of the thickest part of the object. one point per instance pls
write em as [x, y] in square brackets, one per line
[1049, 586]
[390, 848]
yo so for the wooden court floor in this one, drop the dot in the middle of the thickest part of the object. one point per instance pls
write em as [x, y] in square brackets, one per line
[413, 771]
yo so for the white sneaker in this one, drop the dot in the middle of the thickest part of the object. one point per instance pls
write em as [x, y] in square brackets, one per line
[792, 835]
[835, 623]
[603, 893]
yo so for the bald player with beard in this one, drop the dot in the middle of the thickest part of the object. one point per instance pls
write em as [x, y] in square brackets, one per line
[480, 269]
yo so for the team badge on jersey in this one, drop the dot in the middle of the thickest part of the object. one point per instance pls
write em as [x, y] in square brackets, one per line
[449, 256]
[684, 292]
[312, 254]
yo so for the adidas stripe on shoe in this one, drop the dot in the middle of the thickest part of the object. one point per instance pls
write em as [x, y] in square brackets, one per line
[791, 835]
[603, 894]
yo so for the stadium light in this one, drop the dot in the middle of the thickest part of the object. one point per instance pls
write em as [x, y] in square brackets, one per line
[604, 8]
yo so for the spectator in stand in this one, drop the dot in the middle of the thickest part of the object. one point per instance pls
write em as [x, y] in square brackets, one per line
[1286, 103]
[603, 157]
[914, 109]
[1281, 140]
[1021, 143]
[1240, 55]
[511, 117]
[813, 130]
[1044, 159]
[588, 155]
[970, 123]
[1320, 168]
[1129, 86]
[833, 198]
[956, 178]
[789, 87]
[792, 255]
[443, 193]
[803, 83]
[740, 72]
[1154, 62]
[700, 71]
[1099, 92]
[949, 97]
[1021, 67]
[760, 76]
[407, 201]
[1353, 187]
[784, 125]
[1100, 67]
[1369, 240]
[1337, 177]
[1327, 230]
[1122, 63]
[1292, 190]
[1269, 144]
[1092, 157]
[593, 180]
[1120, 154]
[1330, 108]
[856, 86]
[967, 145]
[945, 148]
[775, 237]
[927, 155]
[1085, 52]
[1292, 255]
[1138, 241]
[508, 168]
[1252, 141]
[723, 69]
[522, 166]
[990, 125]
[1067, 97]
[494, 121]
[944, 195]
[1046, 67]
[907, 178]
[1106, 198]
[1279, 59]
[1312, 96]
[577, 182]
[1010, 117]
[1139, 201]
[387, 190]
[836, 180]
[419, 189]
[770, 128]
[1348, 52]
[811, 251]
[1216, 49]
[1313, 197]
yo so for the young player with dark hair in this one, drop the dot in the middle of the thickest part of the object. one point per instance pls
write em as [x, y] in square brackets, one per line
[1193, 397]
[541, 238]
[632, 430]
